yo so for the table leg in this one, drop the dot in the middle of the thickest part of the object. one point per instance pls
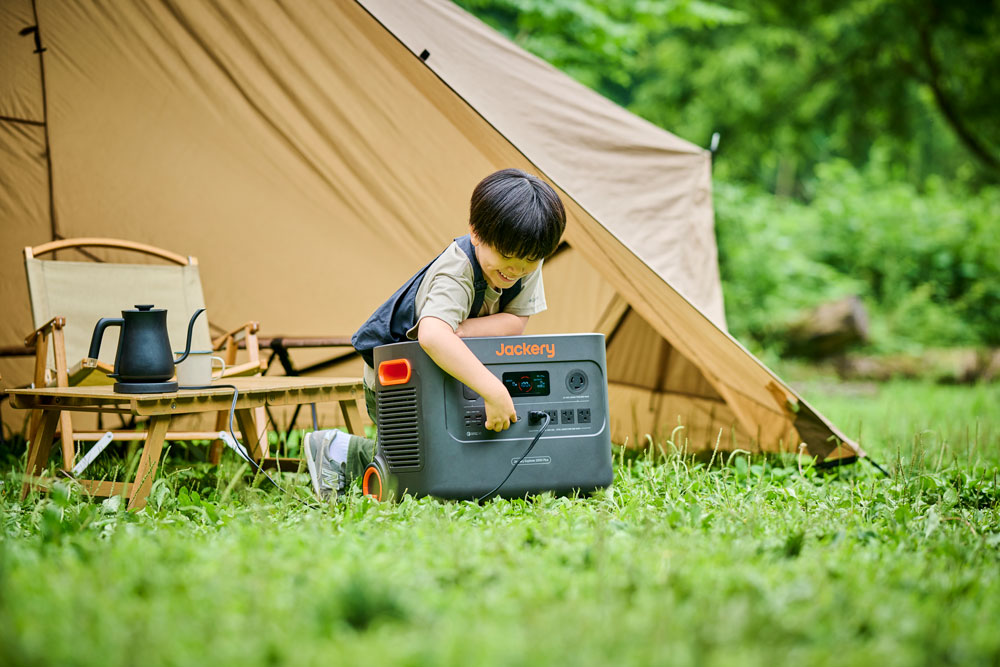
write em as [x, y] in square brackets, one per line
[148, 462]
[39, 448]
[260, 418]
[34, 421]
[256, 445]
[68, 442]
[352, 416]
[215, 449]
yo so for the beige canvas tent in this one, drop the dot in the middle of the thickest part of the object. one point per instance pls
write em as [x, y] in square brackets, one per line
[320, 152]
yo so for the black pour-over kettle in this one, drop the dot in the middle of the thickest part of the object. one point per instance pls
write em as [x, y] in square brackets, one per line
[144, 362]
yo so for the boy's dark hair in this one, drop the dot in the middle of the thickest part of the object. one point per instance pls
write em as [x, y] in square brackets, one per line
[517, 214]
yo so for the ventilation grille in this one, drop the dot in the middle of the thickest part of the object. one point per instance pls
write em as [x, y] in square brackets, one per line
[398, 431]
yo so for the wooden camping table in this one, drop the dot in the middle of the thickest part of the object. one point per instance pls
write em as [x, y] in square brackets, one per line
[254, 392]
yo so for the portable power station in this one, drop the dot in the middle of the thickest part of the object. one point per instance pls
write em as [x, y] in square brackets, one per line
[431, 434]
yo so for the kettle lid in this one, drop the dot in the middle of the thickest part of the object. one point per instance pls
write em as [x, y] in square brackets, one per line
[145, 308]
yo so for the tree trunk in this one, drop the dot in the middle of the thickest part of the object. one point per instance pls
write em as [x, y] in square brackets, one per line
[948, 366]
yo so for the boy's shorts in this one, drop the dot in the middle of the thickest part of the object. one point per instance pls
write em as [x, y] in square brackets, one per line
[370, 404]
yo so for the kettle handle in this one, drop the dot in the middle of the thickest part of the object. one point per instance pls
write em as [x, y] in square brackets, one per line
[95, 340]
[187, 346]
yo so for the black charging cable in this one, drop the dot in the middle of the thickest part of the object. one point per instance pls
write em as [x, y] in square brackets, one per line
[243, 454]
[537, 414]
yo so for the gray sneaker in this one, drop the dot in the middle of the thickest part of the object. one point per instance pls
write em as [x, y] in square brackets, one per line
[327, 475]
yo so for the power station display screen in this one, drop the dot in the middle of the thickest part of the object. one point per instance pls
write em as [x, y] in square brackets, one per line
[527, 383]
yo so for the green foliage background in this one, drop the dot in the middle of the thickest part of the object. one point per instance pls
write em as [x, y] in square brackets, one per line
[859, 145]
[927, 263]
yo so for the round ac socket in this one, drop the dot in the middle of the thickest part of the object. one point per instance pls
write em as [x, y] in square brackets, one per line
[576, 381]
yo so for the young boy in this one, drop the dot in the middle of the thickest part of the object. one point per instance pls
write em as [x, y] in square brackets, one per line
[484, 284]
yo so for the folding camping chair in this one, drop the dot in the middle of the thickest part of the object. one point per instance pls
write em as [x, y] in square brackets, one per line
[69, 297]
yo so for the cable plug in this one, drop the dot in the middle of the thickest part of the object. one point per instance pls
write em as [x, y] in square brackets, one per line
[537, 417]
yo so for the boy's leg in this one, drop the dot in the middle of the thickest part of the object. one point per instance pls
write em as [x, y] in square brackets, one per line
[360, 452]
[335, 459]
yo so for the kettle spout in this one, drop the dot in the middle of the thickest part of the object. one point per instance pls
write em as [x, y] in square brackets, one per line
[187, 347]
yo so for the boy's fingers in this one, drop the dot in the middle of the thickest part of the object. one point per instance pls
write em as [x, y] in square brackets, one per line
[498, 425]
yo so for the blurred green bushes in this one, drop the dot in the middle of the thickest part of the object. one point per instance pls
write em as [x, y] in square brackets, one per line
[926, 262]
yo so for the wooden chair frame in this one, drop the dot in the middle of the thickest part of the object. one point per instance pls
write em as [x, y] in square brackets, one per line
[52, 332]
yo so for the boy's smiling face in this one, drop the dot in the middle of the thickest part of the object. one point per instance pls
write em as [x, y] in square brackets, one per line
[499, 270]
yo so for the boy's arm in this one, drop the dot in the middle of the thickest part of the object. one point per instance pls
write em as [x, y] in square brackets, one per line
[498, 324]
[453, 356]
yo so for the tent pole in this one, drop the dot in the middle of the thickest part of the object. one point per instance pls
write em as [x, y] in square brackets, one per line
[40, 50]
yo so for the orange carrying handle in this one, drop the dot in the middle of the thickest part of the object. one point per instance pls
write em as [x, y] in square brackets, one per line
[394, 371]
[366, 488]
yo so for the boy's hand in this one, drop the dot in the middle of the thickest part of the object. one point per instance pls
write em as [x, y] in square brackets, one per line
[500, 412]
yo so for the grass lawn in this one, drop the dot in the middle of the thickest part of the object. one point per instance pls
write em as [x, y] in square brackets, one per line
[747, 562]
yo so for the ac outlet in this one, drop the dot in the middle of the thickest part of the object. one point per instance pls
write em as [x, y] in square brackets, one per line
[553, 416]
[567, 417]
[576, 381]
[583, 416]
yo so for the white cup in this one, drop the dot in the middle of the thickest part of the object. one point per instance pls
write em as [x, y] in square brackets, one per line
[196, 370]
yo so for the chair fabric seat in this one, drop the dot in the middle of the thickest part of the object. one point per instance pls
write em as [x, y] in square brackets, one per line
[84, 292]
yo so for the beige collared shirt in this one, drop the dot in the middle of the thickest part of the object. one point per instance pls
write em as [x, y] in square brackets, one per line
[447, 291]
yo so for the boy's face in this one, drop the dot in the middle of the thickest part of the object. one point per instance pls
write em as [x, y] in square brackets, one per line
[499, 270]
